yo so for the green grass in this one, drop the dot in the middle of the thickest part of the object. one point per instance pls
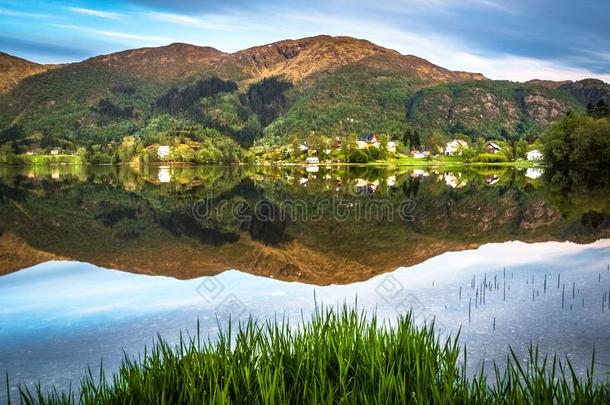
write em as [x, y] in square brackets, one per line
[340, 356]
[456, 161]
[37, 160]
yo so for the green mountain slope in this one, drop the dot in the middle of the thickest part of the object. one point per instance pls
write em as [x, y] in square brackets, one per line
[489, 109]
[13, 70]
[329, 85]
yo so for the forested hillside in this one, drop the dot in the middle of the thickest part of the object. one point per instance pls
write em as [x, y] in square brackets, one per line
[272, 94]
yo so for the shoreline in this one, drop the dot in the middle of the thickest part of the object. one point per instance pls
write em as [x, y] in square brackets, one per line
[521, 164]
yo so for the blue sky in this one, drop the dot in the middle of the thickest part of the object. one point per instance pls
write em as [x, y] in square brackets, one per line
[516, 40]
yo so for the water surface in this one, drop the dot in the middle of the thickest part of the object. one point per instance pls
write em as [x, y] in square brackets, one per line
[97, 260]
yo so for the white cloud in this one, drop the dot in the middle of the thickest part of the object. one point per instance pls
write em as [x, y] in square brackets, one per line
[176, 19]
[212, 22]
[424, 6]
[12, 13]
[147, 39]
[519, 68]
[443, 50]
[97, 13]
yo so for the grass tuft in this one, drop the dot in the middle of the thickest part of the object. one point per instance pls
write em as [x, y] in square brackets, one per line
[339, 356]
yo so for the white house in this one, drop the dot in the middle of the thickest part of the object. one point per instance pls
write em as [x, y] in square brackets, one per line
[392, 146]
[534, 155]
[163, 151]
[312, 160]
[420, 155]
[455, 147]
[361, 145]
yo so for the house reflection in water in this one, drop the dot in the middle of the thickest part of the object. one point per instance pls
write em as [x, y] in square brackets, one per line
[454, 180]
[418, 173]
[164, 174]
[534, 172]
[491, 179]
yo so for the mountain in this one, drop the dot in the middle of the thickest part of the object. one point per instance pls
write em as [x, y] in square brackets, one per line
[490, 109]
[279, 91]
[296, 60]
[14, 69]
[585, 91]
[167, 63]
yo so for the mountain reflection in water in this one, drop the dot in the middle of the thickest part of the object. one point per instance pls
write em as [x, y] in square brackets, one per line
[60, 317]
[333, 225]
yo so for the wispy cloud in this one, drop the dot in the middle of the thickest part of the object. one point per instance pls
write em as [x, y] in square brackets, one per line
[444, 50]
[519, 68]
[12, 13]
[418, 6]
[97, 13]
[148, 39]
[176, 19]
[42, 49]
[210, 22]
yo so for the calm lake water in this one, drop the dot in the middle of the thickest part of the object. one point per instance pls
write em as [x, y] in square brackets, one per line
[96, 261]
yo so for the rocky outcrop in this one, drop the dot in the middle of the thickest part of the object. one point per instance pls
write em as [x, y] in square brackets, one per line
[486, 109]
[544, 109]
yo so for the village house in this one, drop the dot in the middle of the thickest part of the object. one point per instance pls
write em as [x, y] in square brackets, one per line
[392, 146]
[455, 147]
[312, 160]
[492, 148]
[366, 140]
[163, 151]
[534, 155]
[420, 154]
[54, 152]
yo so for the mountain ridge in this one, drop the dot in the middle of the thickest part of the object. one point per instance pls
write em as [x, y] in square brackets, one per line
[278, 91]
[13, 69]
